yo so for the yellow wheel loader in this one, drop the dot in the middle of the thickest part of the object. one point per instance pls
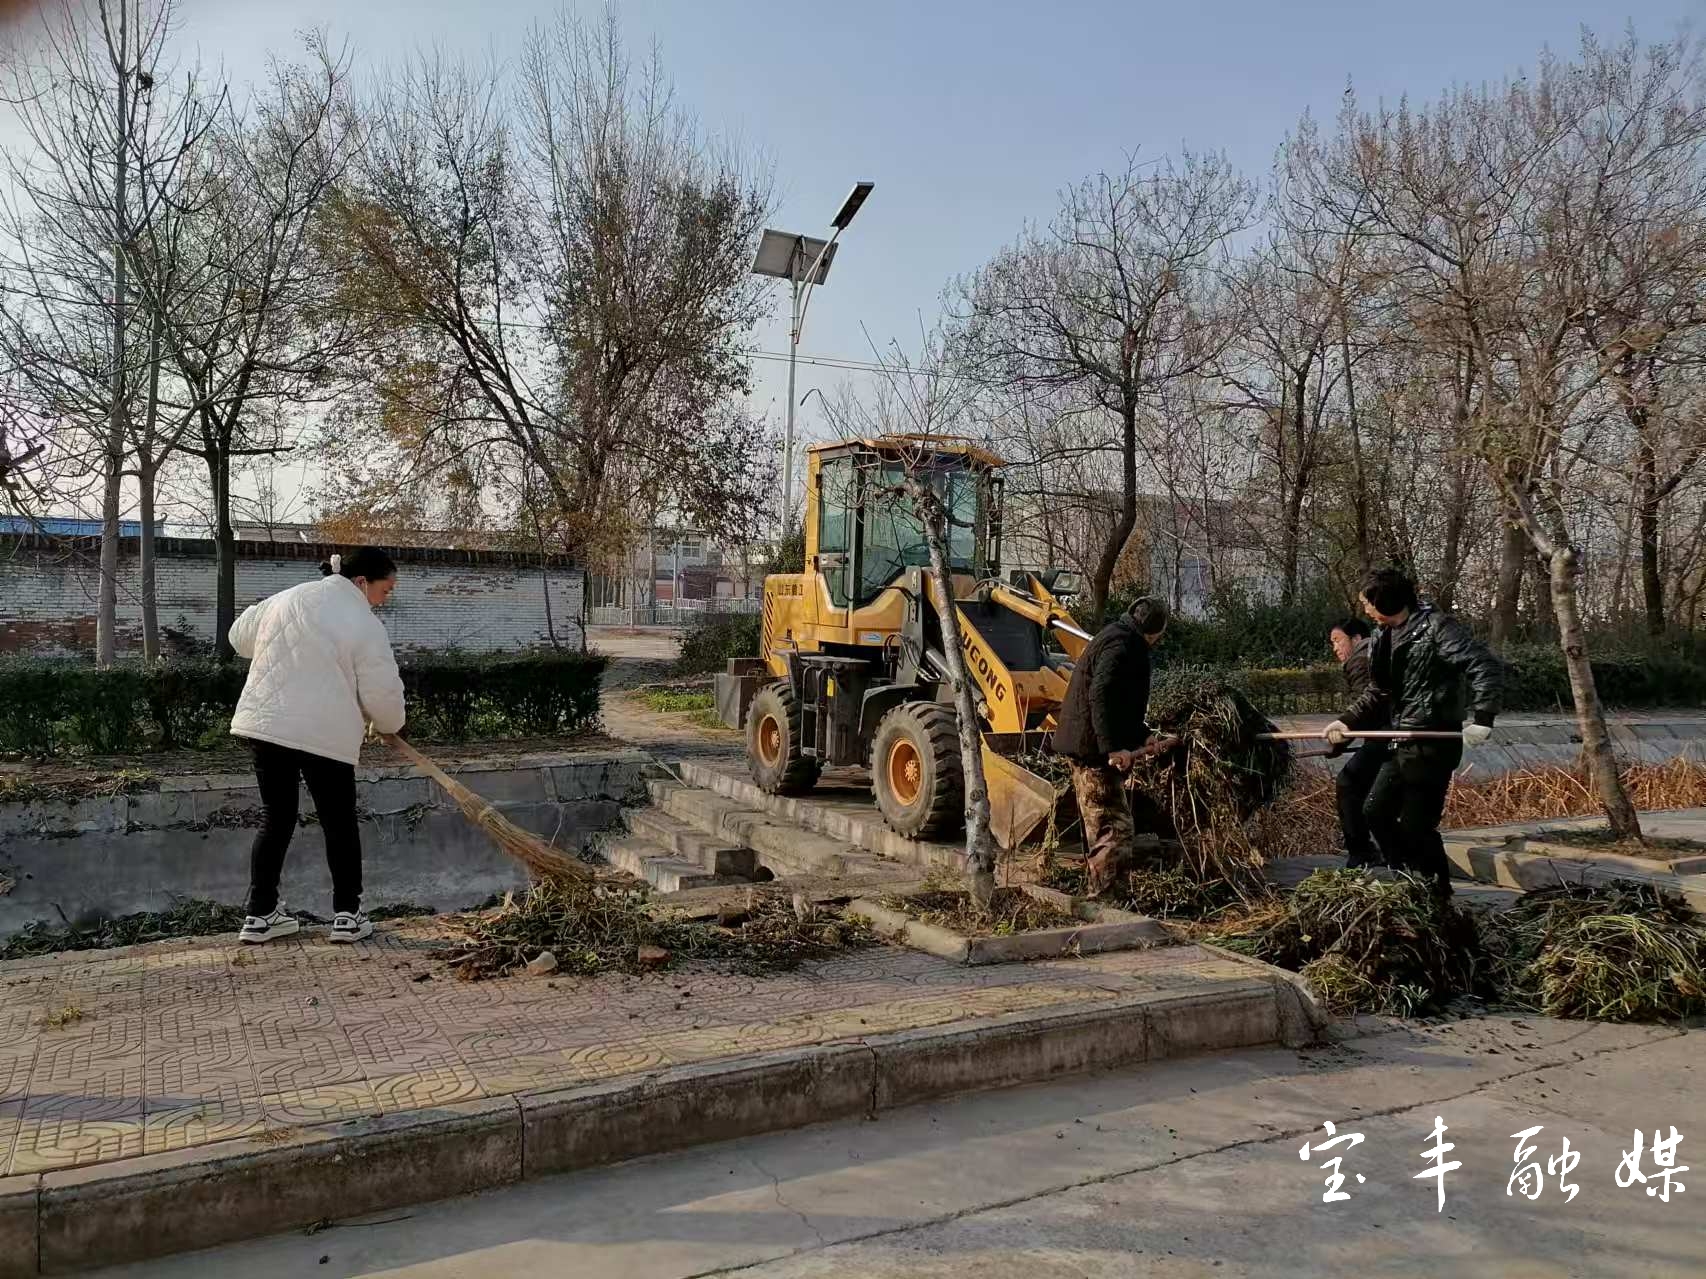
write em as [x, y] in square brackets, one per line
[852, 669]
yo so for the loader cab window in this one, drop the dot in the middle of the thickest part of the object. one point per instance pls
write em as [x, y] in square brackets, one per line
[893, 538]
[835, 526]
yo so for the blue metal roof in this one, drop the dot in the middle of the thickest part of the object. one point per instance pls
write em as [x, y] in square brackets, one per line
[62, 526]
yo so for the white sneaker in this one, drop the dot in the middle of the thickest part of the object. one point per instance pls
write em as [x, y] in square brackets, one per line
[347, 927]
[262, 928]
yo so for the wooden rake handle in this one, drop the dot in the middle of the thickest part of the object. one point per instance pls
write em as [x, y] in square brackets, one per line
[420, 761]
[1373, 734]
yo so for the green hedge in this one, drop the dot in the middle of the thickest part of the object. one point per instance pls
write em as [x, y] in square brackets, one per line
[1535, 680]
[58, 707]
[712, 640]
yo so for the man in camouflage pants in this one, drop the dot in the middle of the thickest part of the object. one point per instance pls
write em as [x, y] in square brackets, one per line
[1102, 729]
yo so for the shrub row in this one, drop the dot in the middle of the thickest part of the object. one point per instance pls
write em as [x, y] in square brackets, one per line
[56, 707]
[1535, 680]
[713, 640]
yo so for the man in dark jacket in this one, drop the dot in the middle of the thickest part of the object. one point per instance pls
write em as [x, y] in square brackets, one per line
[1417, 667]
[1349, 638]
[1101, 729]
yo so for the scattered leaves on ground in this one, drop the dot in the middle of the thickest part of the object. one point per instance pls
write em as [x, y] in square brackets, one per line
[1614, 952]
[594, 928]
[1011, 910]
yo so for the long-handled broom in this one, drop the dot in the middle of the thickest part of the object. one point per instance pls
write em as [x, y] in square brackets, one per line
[528, 849]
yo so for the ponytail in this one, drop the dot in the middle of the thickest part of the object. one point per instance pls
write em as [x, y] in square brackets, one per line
[369, 562]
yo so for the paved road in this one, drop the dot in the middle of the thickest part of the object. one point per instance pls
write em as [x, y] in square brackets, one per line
[1187, 1168]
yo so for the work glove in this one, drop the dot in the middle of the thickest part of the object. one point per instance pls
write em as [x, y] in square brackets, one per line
[1474, 734]
[1337, 733]
[372, 734]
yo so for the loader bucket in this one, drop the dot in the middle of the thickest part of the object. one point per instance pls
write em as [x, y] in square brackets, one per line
[1019, 800]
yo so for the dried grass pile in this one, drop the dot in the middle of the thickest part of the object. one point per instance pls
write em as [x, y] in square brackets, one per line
[193, 917]
[1011, 910]
[1366, 944]
[1302, 820]
[1169, 892]
[1220, 774]
[1612, 952]
[595, 928]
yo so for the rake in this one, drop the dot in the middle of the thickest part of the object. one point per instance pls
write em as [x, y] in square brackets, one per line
[532, 852]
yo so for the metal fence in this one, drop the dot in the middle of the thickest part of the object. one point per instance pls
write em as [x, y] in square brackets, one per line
[669, 615]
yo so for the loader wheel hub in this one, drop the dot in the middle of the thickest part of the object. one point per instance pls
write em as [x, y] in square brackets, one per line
[770, 740]
[906, 772]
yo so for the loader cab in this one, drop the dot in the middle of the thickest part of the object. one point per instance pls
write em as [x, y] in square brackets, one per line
[863, 531]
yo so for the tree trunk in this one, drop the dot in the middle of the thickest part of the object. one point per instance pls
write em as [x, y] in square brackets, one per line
[106, 603]
[147, 476]
[1291, 531]
[980, 841]
[1451, 558]
[106, 607]
[1647, 503]
[1359, 472]
[1513, 554]
[224, 549]
[1540, 570]
[1590, 713]
[1101, 581]
[145, 480]
[1291, 537]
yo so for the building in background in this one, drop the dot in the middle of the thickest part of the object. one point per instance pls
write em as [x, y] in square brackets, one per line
[477, 601]
[674, 574]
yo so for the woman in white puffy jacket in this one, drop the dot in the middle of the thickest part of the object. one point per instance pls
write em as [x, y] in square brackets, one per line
[321, 671]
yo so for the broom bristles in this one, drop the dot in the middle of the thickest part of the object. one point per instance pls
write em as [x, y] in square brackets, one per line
[527, 848]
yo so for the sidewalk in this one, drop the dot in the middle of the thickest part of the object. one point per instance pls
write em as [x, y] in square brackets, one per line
[177, 1046]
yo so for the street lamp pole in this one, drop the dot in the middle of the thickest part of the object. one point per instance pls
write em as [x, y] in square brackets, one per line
[784, 256]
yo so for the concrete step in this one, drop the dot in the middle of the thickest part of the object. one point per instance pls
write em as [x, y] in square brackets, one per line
[691, 844]
[784, 850]
[836, 809]
[658, 866]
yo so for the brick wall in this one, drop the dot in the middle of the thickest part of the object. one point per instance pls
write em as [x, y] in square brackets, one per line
[478, 601]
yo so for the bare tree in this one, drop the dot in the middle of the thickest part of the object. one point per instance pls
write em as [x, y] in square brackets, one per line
[108, 130]
[922, 406]
[1110, 300]
[563, 262]
[246, 318]
[1504, 201]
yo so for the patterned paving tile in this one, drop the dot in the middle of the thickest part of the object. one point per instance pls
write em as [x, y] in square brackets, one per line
[178, 1045]
[424, 1089]
[75, 1118]
[321, 1104]
[59, 1141]
[201, 1124]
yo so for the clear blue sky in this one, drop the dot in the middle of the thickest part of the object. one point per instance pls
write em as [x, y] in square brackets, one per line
[970, 115]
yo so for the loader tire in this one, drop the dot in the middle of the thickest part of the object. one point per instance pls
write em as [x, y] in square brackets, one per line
[773, 743]
[915, 770]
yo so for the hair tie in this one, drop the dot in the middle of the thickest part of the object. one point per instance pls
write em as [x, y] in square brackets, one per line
[337, 563]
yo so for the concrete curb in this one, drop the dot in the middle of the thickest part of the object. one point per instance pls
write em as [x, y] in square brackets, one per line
[133, 1209]
[20, 1231]
[1511, 868]
[1303, 1020]
[1103, 928]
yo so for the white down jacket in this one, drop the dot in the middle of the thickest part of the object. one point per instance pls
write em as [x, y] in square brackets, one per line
[322, 667]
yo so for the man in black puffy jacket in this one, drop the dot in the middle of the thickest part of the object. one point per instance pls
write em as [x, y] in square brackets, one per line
[1101, 728]
[1417, 669]
[1351, 640]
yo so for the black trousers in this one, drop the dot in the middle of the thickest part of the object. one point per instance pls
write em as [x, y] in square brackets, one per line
[1406, 803]
[281, 772]
[1352, 785]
